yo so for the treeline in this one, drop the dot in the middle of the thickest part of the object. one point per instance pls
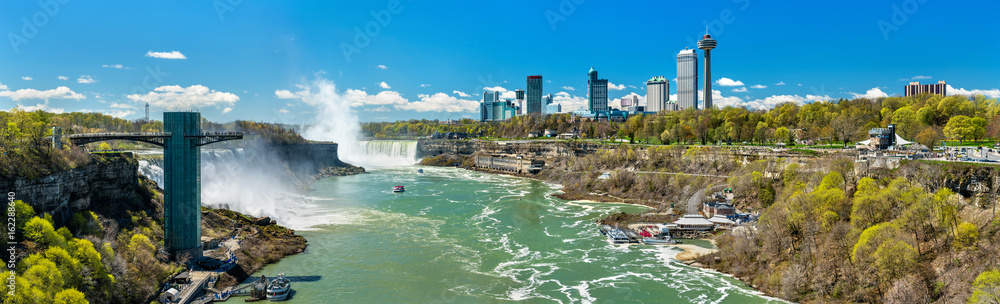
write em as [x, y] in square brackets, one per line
[887, 239]
[926, 119]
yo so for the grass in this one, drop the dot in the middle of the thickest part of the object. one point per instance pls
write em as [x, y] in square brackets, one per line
[984, 143]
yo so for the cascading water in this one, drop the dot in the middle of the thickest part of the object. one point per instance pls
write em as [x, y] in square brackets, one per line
[380, 153]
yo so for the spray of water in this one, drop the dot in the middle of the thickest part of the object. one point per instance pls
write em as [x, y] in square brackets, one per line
[336, 122]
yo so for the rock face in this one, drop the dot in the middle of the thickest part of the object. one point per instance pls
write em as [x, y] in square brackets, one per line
[109, 181]
[536, 148]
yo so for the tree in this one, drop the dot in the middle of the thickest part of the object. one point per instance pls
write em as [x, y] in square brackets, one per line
[906, 122]
[845, 127]
[70, 296]
[929, 137]
[782, 134]
[968, 235]
[962, 127]
[986, 288]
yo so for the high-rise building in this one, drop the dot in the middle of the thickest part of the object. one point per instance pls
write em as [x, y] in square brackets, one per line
[553, 108]
[707, 44]
[657, 94]
[490, 98]
[629, 101]
[597, 92]
[503, 110]
[687, 79]
[519, 93]
[916, 88]
[533, 100]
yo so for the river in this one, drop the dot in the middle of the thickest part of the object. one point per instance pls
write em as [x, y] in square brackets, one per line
[457, 236]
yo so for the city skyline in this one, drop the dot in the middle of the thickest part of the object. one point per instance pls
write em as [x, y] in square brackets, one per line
[391, 64]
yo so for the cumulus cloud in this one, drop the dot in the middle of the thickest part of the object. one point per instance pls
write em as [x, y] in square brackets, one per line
[227, 110]
[121, 105]
[382, 67]
[718, 100]
[992, 93]
[612, 86]
[461, 94]
[284, 111]
[568, 88]
[86, 79]
[61, 77]
[384, 85]
[120, 66]
[286, 94]
[57, 93]
[758, 86]
[26, 78]
[166, 55]
[780, 83]
[3, 86]
[726, 82]
[424, 85]
[174, 97]
[771, 101]
[361, 98]
[495, 89]
[569, 102]
[870, 94]
[740, 89]
[41, 106]
[920, 77]
[440, 102]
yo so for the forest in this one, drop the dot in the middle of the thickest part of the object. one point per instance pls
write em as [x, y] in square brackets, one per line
[927, 119]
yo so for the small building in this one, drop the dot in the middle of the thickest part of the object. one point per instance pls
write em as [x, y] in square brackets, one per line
[722, 222]
[883, 139]
[170, 296]
[551, 132]
[711, 209]
[693, 222]
[534, 134]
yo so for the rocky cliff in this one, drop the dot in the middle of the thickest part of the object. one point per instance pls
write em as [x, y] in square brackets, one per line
[110, 181]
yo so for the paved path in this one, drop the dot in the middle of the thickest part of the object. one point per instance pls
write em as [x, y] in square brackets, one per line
[690, 174]
[694, 201]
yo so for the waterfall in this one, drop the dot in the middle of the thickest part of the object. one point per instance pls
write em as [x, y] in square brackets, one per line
[380, 153]
[255, 182]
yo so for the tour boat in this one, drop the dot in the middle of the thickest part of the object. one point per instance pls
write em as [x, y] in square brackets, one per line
[398, 189]
[279, 288]
[656, 241]
[420, 170]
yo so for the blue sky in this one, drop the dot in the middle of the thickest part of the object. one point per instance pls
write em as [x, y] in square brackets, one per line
[261, 60]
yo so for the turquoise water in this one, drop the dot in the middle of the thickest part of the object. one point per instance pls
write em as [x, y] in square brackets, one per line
[457, 236]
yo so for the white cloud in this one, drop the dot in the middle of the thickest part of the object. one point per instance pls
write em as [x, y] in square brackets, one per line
[119, 66]
[871, 94]
[283, 111]
[121, 105]
[461, 94]
[382, 67]
[920, 77]
[569, 102]
[992, 93]
[717, 99]
[726, 82]
[568, 88]
[800, 84]
[740, 89]
[41, 106]
[440, 102]
[384, 85]
[495, 89]
[166, 55]
[612, 86]
[227, 110]
[424, 85]
[86, 79]
[780, 83]
[26, 78]
[57, 93]
[286, 94]
[119, 113]
[771, 101]
[758, 86]
[3, 86]
[361, 98]
[61, 77]
[175, 97]
[508, 95]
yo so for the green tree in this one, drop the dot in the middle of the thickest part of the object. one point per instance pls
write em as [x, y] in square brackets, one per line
[962, 127]
[986, 288]
[968, 235]
[929, 137]
[906, 122]
[70, 296]
[40, 231]
[782, 134]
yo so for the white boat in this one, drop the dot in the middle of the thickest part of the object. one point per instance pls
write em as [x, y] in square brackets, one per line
[659, 241]
[279, 288]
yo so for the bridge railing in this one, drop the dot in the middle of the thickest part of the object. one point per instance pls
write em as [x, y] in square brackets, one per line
[115, 134]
